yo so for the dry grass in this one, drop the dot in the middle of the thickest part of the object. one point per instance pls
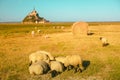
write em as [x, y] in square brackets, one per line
[104, 61]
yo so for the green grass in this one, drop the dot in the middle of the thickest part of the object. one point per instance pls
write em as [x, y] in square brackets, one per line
[22, 29]
[16, 43]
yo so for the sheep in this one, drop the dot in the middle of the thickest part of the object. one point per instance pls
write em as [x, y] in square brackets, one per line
[60, 59]
[54, 27]
[38, 56]
[58, 27]
[35, 28]
[39, 67]
[62, 27]
[46, 36]
[38, 31]
[104, 41]
[33, 33]
[74, 61]
[47, 53]
[56, 68]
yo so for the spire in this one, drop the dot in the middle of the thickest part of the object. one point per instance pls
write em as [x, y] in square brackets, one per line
[34, 9]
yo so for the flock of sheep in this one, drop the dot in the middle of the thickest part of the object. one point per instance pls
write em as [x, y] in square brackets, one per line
[78, 28]
[37, 31]
[42, 62]
[33, 32]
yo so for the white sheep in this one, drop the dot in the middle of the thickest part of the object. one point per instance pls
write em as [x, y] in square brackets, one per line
[35, 28]
[56, 68]
[62, 27]
[39, 67]
[58, 27]
[47, 53]
[60, 59]
[54, 27]
[38, 56]
[104, 41]
[33, 33]
[75, 61]
[38, 31]
[46, 36]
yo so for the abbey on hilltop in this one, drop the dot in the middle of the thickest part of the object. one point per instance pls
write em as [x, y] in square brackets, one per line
[34, 17]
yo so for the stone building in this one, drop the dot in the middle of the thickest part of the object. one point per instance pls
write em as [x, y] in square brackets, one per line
[34, 17]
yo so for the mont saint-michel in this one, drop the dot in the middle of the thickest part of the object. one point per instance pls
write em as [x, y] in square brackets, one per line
[33, 17]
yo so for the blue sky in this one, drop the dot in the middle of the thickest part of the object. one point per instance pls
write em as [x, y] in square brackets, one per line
[61, 10]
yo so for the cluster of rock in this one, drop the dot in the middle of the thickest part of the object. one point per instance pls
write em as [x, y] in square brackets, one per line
[34, 17]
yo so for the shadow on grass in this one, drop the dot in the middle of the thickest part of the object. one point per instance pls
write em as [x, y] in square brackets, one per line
[85, 64]
[104, 45]
[90, 33]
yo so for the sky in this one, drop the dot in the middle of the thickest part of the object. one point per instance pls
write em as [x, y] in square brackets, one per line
[61, 10]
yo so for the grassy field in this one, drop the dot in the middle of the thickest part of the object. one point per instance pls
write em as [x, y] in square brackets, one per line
[102, 63]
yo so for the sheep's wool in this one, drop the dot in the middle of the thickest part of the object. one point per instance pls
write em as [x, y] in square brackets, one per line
[37, 56]
[73, 60]
[60, 59]
[39, 67]
[55, 65]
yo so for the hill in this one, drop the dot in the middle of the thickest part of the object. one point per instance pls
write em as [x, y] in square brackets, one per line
[34, 17]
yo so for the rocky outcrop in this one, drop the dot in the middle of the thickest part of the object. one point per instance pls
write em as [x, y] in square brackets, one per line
[34, 17]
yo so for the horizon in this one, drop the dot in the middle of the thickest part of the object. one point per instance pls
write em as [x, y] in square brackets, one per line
[60, 21]
[62, 11]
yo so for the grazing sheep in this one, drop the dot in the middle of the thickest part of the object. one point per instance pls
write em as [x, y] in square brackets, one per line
[33, 33]
[104, 41]
[46, 36]
[35, 28]
[47, 53]
[56, 68]
[58, 27]
[39, 67]
[54, 27]
[79, 28]
[62, 27]
[75, 61]
[38, 56]
[60, 59]
[38, 31]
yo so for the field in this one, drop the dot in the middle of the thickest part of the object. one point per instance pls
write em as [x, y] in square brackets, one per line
[101, 63]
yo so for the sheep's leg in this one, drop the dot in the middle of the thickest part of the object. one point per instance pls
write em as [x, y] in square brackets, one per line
[81, 68]
[69, 67]
[75, 69]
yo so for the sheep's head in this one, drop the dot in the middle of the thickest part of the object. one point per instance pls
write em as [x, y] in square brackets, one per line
[30, 63]
[101, 38]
